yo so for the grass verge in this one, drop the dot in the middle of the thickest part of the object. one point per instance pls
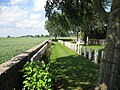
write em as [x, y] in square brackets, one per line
[71, 72]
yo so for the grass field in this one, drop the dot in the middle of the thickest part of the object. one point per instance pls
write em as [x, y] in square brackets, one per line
[10, 47]
[71, 71]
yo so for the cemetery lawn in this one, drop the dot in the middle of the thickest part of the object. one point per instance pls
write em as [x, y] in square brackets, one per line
[10, 47]
[71, 71]
[94, 47]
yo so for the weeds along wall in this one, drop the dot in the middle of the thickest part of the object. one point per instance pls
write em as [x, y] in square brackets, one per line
[11, 77]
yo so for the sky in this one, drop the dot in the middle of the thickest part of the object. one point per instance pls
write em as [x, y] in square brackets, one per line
[22, 17]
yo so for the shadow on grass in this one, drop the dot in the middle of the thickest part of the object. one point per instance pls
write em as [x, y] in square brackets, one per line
[74, 73]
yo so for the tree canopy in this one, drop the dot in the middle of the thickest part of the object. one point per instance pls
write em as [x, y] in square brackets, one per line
[82, 13]
[57, 25]
[79, 14]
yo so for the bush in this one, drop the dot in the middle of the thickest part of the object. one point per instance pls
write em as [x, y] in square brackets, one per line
[37, 76]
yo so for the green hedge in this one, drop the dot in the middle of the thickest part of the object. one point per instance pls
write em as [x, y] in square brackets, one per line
[37, 76]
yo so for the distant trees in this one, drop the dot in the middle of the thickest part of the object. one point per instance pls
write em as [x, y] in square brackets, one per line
[33, 36]
[8, 36]
[57, 25]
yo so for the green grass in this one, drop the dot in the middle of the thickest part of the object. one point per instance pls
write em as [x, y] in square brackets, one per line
[10, 47]
[94, 47]
[71, 71]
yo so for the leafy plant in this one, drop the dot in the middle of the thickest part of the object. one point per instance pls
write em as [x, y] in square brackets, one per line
[37, 76]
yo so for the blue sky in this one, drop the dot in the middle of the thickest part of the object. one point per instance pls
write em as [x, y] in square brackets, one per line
[22, 17]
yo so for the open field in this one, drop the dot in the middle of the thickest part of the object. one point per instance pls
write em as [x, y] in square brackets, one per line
[10, 47]
[71, 71]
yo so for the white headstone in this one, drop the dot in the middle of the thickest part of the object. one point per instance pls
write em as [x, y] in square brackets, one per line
[87, 40]
[80, 49]
[102, 55]
[70, 46]
[85, 51]
[90, 54]
[75, 47]
[96, 56]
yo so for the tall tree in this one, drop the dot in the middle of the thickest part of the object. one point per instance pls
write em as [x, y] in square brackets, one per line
[57, 25]
[78, 12]
[109, 78]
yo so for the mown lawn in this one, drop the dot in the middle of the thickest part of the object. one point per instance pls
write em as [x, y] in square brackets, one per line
[71, 71]
[94, 47]
[10, 47]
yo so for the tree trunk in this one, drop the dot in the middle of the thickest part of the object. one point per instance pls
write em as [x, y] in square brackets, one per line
[85, 37]
[55, 36]
[77, 35]
[109, 78]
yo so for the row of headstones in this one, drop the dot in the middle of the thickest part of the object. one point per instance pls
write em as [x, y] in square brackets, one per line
[78, 48]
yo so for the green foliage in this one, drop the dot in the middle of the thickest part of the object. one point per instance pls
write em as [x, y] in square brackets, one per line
[57, 25]
[37, 76]
[75, 10]
[79, 15]
[10, 47]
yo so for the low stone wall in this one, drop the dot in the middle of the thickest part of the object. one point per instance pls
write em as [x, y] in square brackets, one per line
[10, 76]
[97, 41]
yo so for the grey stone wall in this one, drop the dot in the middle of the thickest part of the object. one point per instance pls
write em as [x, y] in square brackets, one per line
[10, 75]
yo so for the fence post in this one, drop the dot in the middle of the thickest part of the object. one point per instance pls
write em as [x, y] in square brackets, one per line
[85, 53]
[90, 54]
[96, 56]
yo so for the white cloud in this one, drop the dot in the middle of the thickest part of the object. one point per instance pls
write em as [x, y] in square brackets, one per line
[11, 14]
[31, 23]
[39, 5]
[35, 16]
[18, 1]
[15, 19]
